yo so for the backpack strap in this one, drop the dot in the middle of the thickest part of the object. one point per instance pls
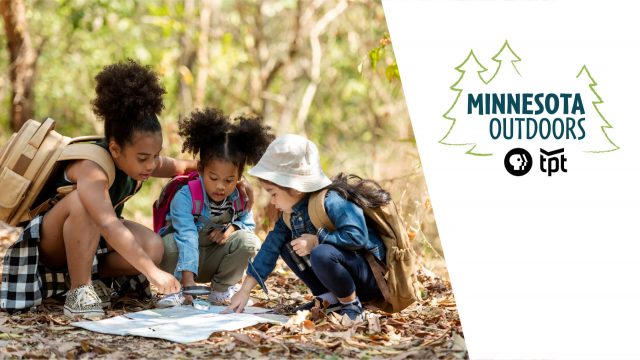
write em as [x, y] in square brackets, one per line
[135, 191]
[93, 152]
[317, 212]
[379, 270]
[31, 148]
[239, 203]
[197, 196]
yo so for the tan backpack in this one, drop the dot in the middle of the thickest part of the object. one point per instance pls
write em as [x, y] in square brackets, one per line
[397, 280]
[29, 158]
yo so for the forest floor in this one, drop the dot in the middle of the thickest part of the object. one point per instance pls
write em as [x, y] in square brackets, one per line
[429, 329]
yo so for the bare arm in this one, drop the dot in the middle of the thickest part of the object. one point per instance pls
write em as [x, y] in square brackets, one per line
[92, 187]
[170, 167]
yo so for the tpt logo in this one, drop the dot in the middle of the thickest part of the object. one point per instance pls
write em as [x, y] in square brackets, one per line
[552, 161]
[519, 162]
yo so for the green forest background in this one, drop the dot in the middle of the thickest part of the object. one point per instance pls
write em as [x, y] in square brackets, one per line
[320, 68]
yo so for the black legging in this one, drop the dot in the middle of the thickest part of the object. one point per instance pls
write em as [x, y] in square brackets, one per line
[336, 270]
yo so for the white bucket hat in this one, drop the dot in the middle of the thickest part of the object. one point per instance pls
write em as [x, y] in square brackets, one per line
[292, 161]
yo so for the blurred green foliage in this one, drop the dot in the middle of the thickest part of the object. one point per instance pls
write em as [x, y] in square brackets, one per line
[271, 57]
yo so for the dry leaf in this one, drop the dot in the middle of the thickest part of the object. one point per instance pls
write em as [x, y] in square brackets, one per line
[243, 338]
[373, 321]
[307, 326]
[298, 318]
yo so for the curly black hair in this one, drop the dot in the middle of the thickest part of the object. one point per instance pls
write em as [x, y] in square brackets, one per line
[128, 99]
[211, 135]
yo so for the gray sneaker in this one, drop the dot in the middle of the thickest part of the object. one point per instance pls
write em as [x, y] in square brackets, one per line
[170, 300]
[104, 293]
[83, 302]
[223, 297]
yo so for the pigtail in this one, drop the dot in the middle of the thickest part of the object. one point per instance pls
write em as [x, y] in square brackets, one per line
[249, 138]
[204, 132]
[364, 192]
[128, 99]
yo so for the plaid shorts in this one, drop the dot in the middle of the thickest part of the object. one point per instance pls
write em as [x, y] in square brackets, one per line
[26, 281]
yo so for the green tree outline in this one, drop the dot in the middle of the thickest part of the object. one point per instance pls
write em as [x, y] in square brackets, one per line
[599, 100]
[499, 55]
[453, 87]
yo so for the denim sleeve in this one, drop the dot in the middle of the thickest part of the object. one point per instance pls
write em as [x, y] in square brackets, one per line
[266, 258]
[245, 221]
[186, 232]
[348, 219]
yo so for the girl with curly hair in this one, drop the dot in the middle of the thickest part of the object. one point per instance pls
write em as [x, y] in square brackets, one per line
[217, 246]
[128, 99]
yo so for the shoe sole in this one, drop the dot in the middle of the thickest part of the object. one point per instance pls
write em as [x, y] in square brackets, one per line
[83, 314]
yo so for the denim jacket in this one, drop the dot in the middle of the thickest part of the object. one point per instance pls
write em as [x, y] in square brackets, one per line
[351, 233]
[187, 228]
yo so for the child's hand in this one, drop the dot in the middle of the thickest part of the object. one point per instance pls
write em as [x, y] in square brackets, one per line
[246, 191]
[220, 236]
[165, 282]
[304, 244]
[237, 303]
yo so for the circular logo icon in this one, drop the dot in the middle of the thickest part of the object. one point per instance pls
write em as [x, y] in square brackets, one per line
[518, 162]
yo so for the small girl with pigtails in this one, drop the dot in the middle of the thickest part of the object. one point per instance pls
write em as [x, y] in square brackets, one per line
[215, 244]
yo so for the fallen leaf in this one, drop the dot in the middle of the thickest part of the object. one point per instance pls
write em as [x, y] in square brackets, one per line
[243, 338]
[298, 318]
[9, 336]
[11, 330]
[307, 326]
[373, 321]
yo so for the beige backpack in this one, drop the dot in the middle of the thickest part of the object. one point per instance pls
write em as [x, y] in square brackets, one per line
[29, 158]
[397, 280]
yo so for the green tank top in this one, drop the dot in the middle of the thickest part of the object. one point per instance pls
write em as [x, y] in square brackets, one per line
[123, 184]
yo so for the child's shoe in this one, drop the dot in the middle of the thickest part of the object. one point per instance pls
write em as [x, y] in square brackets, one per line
[223, 297]
[353, 310]
[170, 300]
[83, 302]
[104, 293]
[316, 302]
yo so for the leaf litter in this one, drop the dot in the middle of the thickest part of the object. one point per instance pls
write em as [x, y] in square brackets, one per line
[429, 329]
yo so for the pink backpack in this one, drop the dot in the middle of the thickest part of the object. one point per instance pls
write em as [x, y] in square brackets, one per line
[162, 205]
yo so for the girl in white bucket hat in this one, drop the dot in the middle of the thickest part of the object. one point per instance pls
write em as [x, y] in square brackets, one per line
[330, 263]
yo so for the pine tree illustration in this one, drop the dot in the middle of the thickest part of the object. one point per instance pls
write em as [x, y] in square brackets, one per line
[506, 54]
[585, 75]
[457, 134]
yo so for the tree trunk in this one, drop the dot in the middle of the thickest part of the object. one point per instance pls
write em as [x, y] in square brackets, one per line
[23, 57]
[186, 59]
[207, 8]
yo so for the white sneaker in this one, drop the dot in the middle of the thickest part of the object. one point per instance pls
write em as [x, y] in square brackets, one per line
[170, 300]
[84, 302]
[223, 297]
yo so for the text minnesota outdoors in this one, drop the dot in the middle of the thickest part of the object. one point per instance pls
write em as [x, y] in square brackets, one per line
[562, 126]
